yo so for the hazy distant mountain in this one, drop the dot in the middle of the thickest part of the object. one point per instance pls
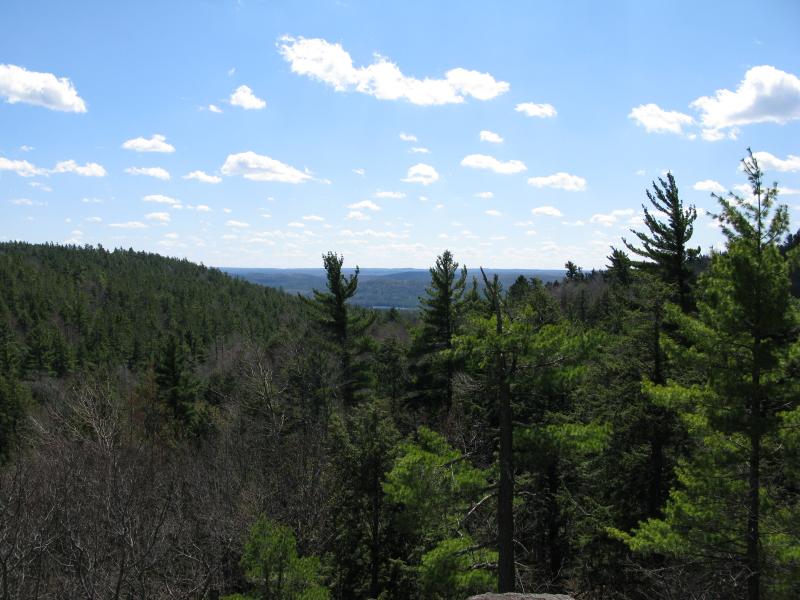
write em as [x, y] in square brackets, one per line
[400, 288]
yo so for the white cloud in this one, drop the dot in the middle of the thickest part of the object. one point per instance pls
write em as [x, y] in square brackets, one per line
[407, 137]
[485, 195]
[244, 97]
[765, 95]
[17, 84]
[161, 217]
[359, 172]
[655, 119]
[333, 65]
[296, 225]
[129, 225]
[92, 200]
[262, 168]
[157, 143]
[561, 181]
[214, 108]
[357, 215]
[769, 162]
[491, 136]
[483, 161]
[393, 195]
[26, 148]
[419, 150]
[607, 220]
[21, 167]
[715, 135]
[313, 218]
[203, 177]
[27, 202]
[364, 204]
[237, 224]
[93, 220]
[156, 172]
[87, 170]
[203, 208]
[421, 173]
[161, 199]
[709, 185]
[493, 213]
[542, 111]
[548, 211]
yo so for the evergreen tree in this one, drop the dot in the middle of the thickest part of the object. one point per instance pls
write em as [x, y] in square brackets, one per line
[441, 312]
[733, 499]
[344, 326]
[665, 248]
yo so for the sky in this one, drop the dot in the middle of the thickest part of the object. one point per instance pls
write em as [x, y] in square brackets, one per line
[266, 133]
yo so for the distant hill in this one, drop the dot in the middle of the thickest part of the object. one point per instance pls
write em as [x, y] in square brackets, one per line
[400, 288]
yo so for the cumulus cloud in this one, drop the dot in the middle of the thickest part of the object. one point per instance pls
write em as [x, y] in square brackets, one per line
[156, 172]
[543, 111]
[333, 65]
[87, 170]
[203, 208]
[214, 108]
[262, 168]
[419, 150]
[313, 218]
[655, 119]
[161, 199]
[237, 224]
[407, 137]
[493, 213]
[244, 97]
[421, 173]
[21, 167]
[161, 217]
[364, 204]
[357, 215]
[360, 172]
[393, 195]
[157, 143]
[709, 185]
[769, 162]
[129, 225]
[484, 161]
[765, 95]
[203, 177]
[17, 84]
[561, 181]
[548, 211]
[491, 137]
[608, 219]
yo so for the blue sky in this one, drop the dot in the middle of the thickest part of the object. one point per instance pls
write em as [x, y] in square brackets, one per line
[518, 134]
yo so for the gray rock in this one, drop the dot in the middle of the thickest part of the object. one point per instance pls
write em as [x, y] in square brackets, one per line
[521, 597]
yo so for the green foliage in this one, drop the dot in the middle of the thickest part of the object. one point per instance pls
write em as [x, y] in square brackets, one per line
[434, 483]
[272, 565]
[665, 249]
[455, 568]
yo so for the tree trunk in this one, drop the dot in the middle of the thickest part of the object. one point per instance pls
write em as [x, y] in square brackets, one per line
[505, 506]
[753, 509]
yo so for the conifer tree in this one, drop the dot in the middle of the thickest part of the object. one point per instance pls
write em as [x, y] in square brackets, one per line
[441, 313]
[733, 499]
[344, 326]
[665, 249]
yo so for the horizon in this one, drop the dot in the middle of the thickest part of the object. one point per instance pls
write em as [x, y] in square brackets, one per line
[264, 135]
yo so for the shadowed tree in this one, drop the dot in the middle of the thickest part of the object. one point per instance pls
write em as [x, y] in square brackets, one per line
[665, 248]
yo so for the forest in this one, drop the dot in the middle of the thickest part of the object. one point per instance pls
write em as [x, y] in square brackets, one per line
[170, 431]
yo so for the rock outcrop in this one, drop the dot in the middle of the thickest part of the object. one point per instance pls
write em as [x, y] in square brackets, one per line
[521, 597]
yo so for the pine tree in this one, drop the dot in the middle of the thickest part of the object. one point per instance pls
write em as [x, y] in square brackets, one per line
[743, 340]
[665, 248]
[441, 311]
[344, 326]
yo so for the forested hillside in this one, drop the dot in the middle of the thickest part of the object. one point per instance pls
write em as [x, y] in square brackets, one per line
[169, 431]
